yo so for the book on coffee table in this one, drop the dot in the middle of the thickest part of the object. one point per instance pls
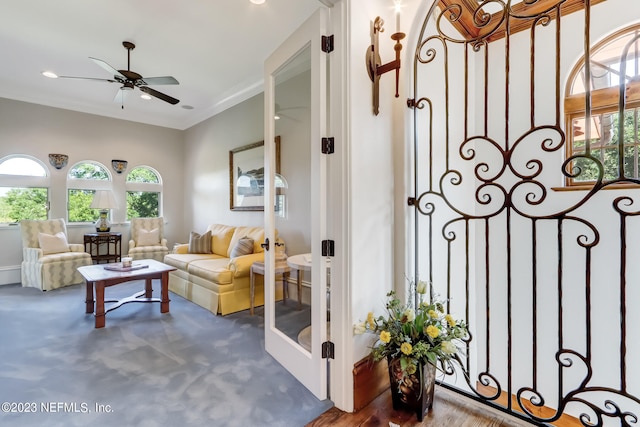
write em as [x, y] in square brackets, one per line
[119, 267]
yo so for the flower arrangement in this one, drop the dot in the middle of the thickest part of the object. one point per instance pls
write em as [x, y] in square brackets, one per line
[417, 336]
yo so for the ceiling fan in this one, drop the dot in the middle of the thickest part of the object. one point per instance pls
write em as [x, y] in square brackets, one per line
[130, 79]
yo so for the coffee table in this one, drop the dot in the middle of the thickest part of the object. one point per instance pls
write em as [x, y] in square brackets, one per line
[100, 276]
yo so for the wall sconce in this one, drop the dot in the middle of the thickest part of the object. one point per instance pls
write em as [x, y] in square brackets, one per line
[119, 165]
[374, 64]
[58, 161]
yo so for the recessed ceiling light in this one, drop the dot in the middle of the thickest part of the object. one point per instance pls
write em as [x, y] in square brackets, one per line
[145, 96]
[187, 107]
[257, 1]
[50, 74]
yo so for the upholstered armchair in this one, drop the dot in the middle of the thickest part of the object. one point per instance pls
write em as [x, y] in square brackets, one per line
[147, 239]
[48, 260]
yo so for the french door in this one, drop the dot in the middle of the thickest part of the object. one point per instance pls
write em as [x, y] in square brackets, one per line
[295, 111]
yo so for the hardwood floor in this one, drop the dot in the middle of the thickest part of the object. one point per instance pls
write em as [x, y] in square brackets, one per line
[449, 410]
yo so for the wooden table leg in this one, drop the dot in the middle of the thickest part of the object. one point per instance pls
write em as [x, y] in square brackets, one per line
[148, 290]
[100, 314]
[164, 304]
[89, 300]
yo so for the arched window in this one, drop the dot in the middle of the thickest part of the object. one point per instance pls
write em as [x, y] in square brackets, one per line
[24, 189]
[611, 136]
[144, 191]
[83, 180]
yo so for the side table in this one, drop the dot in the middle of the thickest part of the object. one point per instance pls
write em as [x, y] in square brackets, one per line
[281, 267]
[112, 242]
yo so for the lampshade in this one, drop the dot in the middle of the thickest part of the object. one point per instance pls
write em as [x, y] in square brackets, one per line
[104, 199]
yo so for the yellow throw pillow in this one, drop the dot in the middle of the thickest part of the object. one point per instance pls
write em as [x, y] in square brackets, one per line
[53, 244]
[148, 237]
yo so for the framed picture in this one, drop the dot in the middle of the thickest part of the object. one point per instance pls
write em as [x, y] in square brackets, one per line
[246, 176]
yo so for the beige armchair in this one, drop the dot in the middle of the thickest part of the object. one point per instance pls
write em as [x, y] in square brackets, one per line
[147, 239]
[49, 261]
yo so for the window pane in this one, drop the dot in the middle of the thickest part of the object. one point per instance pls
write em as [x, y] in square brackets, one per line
[142, 204]
[17, 204]
[22, 166]
[88, 171]
[142, 174]
[79, 206]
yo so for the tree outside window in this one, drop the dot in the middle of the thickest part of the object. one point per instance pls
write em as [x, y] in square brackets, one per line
[143, 193]
[609, 139]
[83, 181]
[24, 192]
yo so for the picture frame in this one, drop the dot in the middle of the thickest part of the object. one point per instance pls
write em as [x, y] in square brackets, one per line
[246, 176]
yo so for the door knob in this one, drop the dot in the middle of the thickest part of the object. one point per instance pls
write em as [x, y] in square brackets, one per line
[265, 245]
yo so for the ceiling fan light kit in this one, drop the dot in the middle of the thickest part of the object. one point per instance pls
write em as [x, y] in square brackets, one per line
[130, 79]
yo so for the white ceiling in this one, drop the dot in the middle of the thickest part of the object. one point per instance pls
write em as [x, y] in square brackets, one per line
[215, 49]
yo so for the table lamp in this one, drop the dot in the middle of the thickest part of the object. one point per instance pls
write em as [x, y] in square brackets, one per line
[103, 200]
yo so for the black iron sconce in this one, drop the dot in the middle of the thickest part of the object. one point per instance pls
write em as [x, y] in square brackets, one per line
[374, 64]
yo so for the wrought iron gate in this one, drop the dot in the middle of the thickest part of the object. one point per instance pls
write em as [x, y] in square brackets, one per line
[547, 279]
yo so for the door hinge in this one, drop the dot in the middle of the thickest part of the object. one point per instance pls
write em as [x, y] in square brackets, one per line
[328, 350]
[328, 248]
[328, 145]
[327, 43]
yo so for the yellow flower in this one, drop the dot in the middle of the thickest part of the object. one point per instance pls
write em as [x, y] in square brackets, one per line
[359, 328]
[411, 369]
[433, 314]
[406, 348]
[432, 331]
[370, 320]
[450, 320]
[385, 337]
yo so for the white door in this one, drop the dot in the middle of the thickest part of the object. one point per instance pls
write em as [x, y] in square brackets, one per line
[295, 92]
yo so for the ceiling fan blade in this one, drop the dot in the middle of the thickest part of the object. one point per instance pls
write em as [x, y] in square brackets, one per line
[159, 95]
[120, 97]
[164, 80]
[88, 78]
[107, 67]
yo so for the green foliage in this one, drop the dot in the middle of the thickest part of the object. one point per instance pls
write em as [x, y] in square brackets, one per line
[142, 204]
[88, 171]
[23, 203]
[142, 174]
[605, 155]
[78, 208]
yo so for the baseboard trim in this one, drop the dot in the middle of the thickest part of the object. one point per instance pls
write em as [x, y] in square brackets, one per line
[10, 275]
[369, 380]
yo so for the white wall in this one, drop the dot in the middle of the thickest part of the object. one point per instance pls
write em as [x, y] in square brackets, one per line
[207, 166]
[37, 130]
[377, 166]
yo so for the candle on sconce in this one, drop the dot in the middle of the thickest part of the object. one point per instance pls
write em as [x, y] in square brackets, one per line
[397, 8]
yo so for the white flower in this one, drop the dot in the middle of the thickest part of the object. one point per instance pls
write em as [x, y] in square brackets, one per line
[448, 347]
[410, 314]
[421, 287]
[359, 328]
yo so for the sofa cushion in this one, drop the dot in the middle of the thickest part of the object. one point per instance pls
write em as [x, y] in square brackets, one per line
[181, 261]
[53, 243]
[221, 238]
[148, 237]
[243, 246]
[200, 244]
[255, 233]
[214, 269]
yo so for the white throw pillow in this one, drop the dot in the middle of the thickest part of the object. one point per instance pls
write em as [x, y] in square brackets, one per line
[149, 237]
[53, 244]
